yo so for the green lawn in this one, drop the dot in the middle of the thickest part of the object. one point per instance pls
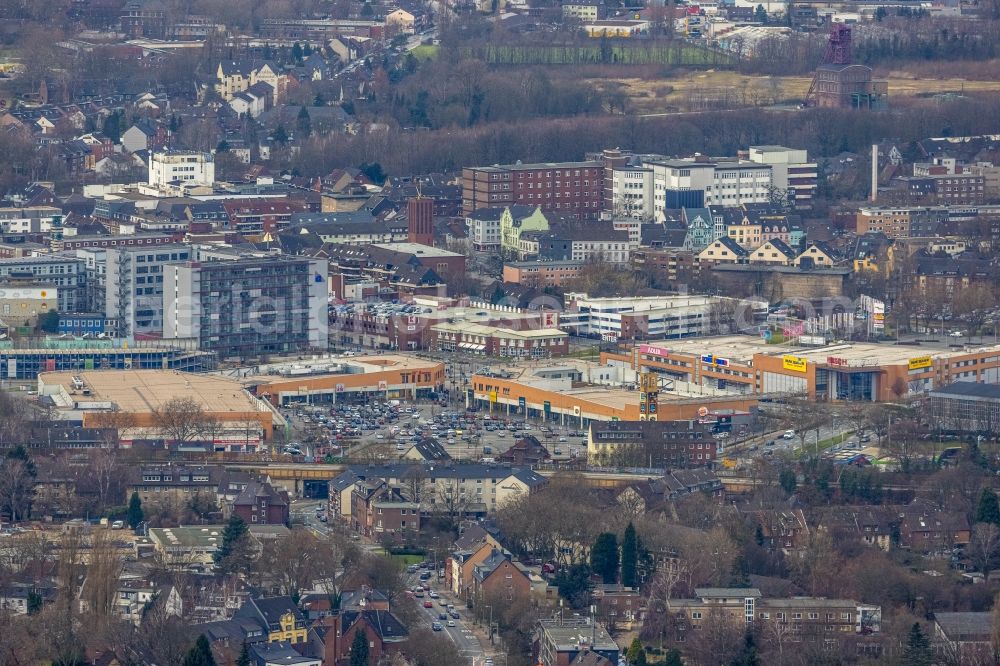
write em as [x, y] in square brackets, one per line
[426, 52]
[810, 447]
[407, 560]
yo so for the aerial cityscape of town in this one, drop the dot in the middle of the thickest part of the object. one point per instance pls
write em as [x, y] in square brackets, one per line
[499, 332]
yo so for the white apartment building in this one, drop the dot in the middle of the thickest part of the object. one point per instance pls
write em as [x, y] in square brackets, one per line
[188, 167]
[35, 219]
[632, 193]
[133, 293]
[791, 172]
[483, 227]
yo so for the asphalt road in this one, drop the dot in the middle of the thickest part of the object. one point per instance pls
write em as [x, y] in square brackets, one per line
[463, 637]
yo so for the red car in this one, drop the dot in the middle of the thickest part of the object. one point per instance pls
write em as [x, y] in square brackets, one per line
[428, 604]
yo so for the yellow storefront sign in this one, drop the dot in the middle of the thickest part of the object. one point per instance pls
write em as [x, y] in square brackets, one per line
[794, 363]
[493, 396]
[919, 362]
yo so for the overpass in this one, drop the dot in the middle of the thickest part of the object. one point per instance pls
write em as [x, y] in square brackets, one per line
[295, 476]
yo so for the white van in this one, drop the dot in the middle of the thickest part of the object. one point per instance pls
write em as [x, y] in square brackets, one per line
[789, 434]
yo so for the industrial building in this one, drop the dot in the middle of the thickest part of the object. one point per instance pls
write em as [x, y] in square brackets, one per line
[840, 83]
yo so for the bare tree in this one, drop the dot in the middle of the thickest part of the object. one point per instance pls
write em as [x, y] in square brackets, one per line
[181, 420]
[984, 546]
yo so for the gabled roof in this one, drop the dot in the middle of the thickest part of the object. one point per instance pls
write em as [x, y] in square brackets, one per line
[255, 491]
[271, 609]
[782, 247]
[730, 245]
[386, 625]
[430, 449]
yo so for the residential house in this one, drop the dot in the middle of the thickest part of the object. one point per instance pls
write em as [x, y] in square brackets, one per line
[818, 254]
[561, 642]
[773, 251]
[872, 526]
[279, 653]
[525, 451]
[499, 576]
[723, 250]
[964, 637]
[399, 22]
[780, 529]
[174, 486]
[471, 549]
[381, 510]
[279, 617]
[259, 503]
[926, 529]
[385, 633]
[700, 228]
[145, 134]
[427, 449]
[619, 606]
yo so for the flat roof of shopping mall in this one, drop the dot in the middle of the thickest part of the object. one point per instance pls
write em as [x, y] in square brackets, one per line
[138, 391]
[742, 348]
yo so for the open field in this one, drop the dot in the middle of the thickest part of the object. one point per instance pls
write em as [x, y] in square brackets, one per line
[673, 94]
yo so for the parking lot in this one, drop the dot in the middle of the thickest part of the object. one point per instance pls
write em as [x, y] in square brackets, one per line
[383, 429]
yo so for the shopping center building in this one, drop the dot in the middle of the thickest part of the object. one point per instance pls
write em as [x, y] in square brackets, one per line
[863, 371]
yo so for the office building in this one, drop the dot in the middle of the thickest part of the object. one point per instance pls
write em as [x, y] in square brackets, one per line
[574, 188]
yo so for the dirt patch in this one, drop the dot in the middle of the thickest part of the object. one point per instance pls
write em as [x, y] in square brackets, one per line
[700, 89]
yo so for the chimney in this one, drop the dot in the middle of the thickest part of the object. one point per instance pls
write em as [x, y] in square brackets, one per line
[874, 196]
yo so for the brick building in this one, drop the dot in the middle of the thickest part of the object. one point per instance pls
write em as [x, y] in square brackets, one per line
[569, 187]
[260, 504]
[498, 576]
[542, 273]
[682, 443]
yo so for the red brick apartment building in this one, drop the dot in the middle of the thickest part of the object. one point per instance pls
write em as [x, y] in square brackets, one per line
[567, 187]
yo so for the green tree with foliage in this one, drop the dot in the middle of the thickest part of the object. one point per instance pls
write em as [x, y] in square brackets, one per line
[604, 557]
[49, 322]
[34, 602]
[200, 654]
[748, 656]
[634, 650]
[573, 583]
[135, 514]
[244, 658]
[359, 649]
[373, 172]
[760, 15]
[988, 510]
[673, 658]
[303, 123]
[918, 648]
[297, 52]
[235, 530]
[630, 556]
[787, 480]
[280, 134]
